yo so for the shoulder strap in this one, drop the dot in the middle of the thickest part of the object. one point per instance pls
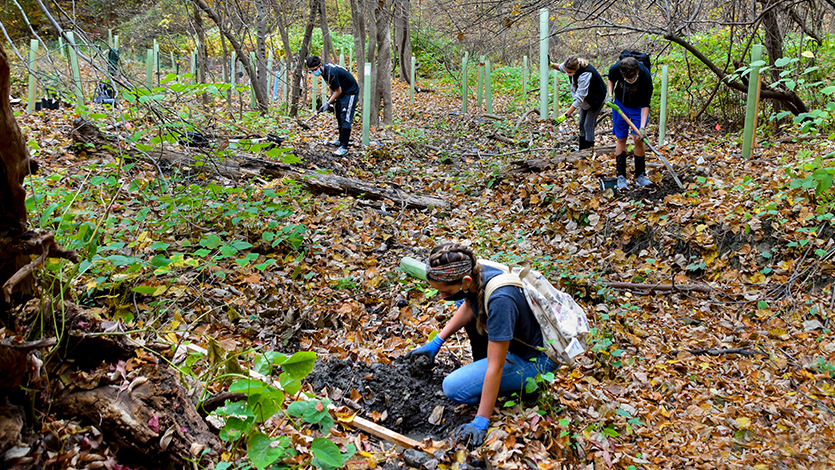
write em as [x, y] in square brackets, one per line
[501, 280]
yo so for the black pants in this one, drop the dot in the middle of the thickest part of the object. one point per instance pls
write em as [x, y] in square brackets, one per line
[345, 107]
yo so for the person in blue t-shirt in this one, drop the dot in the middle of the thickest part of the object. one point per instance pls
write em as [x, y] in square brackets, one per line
[504, 334]
[344, 98]
[630, 85]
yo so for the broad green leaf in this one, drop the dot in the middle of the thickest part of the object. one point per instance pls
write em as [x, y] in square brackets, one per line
[782, 61]
[144, 290]
[263, 451]
[622, 412]
[300, 364]
[248, 386]
[236, 409]
[326, 451]
[289, 384]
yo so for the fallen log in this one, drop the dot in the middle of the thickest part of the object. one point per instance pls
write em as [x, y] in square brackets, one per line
[152, 416]
[542, 164]
[92, 142]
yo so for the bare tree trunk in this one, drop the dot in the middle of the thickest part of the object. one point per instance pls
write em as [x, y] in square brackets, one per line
[358, 24]
[262, 9]
[371, 53]
[257, 86]
[403, 38]
[202, 53]
[327, 43]
[226, 72]
[285, 36]
[381, 96]
[303, 52]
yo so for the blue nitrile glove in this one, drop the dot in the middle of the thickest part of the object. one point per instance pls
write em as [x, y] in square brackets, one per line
[473, 434]
[429, 349]
[561, 119]
[643, 133]
[325, 106]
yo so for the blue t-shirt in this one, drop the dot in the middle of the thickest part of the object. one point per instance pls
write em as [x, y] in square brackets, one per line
[509, 317]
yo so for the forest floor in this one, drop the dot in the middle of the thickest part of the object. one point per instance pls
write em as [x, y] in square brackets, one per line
[723, 359]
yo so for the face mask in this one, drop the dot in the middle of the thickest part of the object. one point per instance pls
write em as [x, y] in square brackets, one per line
[460, 295]
[317, 72]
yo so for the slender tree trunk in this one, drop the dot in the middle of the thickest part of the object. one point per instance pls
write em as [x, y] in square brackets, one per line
[202, 53]
[262, 9]
[358, 24]
[303, 53]
[381, 96]
[285, 36]
[371, 52]
[327, 43]
[403, 38]
[226, 71]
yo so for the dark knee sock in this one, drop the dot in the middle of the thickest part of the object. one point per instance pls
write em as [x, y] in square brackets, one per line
[344, 137]
[621, 163]
[640, 165]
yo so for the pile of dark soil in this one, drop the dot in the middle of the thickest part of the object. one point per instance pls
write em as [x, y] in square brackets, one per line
[404, 393]
[658, 192]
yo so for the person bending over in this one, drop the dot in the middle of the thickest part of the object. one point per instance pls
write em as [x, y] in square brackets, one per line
[344, 90]
[630, 85]
[503, 332]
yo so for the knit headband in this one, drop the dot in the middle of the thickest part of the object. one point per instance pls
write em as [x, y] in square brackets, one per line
[449, 272]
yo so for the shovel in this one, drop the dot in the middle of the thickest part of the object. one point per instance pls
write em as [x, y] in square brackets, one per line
[304, 125]
[646, 141]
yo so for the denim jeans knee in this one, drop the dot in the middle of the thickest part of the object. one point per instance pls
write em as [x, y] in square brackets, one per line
[464, 384]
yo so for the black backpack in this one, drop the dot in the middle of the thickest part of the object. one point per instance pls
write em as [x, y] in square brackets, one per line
[642, 57]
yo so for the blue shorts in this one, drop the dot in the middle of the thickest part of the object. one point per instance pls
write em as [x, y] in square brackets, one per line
[620, 127]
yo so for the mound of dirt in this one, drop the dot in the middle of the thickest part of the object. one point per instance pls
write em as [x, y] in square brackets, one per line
[657, 192]
[404, 394]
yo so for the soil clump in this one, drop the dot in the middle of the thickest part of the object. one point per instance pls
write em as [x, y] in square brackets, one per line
[401, 396]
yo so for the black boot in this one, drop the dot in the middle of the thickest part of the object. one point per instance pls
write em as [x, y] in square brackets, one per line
[584, 144]
[640, 165]
[344, 137]
[621, 163]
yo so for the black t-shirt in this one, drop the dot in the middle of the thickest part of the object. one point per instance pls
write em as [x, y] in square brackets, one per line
[632, 95]
[337, 76]
[509, 317]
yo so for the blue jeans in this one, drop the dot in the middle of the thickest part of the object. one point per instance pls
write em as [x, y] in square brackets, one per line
[464, 384]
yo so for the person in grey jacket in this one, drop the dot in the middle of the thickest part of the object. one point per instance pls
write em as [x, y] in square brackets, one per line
[589, 93]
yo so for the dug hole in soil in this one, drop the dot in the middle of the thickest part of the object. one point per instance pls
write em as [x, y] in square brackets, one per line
[401, 396]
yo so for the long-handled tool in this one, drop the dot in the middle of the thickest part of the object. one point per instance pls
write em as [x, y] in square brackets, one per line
[646, 142]
[304, 125]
